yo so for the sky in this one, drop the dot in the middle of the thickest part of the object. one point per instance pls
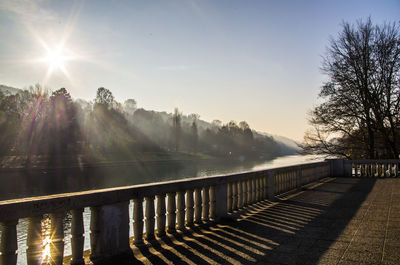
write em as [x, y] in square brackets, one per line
[257, 61]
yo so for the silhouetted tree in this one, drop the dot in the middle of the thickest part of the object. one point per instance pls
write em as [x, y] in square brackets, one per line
[104, 97]
[195, 136]
[130, 106]
[360, 113]
[176, 128]
[63, 127]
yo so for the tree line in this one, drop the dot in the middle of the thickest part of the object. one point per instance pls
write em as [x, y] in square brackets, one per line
[36, 123]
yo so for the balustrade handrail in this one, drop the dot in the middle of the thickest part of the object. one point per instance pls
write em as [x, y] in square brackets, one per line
[373, 161]
[173, 205]
[38, 205]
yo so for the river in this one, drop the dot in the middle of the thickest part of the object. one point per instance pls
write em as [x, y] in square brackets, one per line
[27, 184]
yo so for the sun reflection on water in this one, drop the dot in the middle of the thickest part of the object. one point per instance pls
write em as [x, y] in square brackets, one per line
[46, 232]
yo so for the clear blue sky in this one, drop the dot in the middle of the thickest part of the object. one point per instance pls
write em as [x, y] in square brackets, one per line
[230, 60]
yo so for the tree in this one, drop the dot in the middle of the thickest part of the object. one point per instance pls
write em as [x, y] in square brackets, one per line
[104, 97]
[63, 127]
[195, 135]
[130, 106]
[176, 127]
[359, 117]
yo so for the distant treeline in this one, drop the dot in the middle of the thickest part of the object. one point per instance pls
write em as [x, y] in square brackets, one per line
[36, 123]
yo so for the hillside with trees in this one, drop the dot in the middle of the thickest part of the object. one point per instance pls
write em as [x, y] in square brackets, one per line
[53, 130]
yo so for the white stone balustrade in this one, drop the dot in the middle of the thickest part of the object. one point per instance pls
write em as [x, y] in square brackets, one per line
[170, 207]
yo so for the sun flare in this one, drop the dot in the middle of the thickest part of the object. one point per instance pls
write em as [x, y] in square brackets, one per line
[55, 59]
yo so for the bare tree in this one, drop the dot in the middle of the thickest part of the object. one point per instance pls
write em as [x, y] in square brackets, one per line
[360, 113]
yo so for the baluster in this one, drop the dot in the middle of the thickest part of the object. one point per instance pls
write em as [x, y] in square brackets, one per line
[57, 238]
[149, 217]
[180, 213]
[294, 175]
[287, 186]
[189, 208]
[34, 241]
[160, 215]
[262, 188]
[379, 170]
[197, 206]
[206, 204]
[244, 192]
[171, 212]
[234, 196]
[253, 188]
[9, 246]
[240, 195]
[284, 181]
[138, 221]
[249, 191]
[391, 169]
[77, 238]
[95, 233]
[265, 180]
[257, 191]
[212, 203]
[229, 197]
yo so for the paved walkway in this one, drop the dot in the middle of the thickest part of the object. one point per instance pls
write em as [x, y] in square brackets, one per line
[343, 221]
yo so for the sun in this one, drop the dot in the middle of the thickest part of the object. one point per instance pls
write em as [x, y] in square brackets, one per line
[55, 59]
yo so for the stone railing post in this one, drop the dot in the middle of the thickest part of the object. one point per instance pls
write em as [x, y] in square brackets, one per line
[265, 187]
[8, 247]
[34, 241]
[138, 221]
[160, 215]
[271, 185]
[213, 201]
[189, 208]
[298, 178]
[77, 239]
[149, 218]
[244, 193]
[197, 206]
[171, 212]
[253, 190]
[57, 240]
[240, 195]
[221, 201]
[205, 204]
[249, 192]
[229, 197]
[109, 238]
[180, 211]
[234, 196]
